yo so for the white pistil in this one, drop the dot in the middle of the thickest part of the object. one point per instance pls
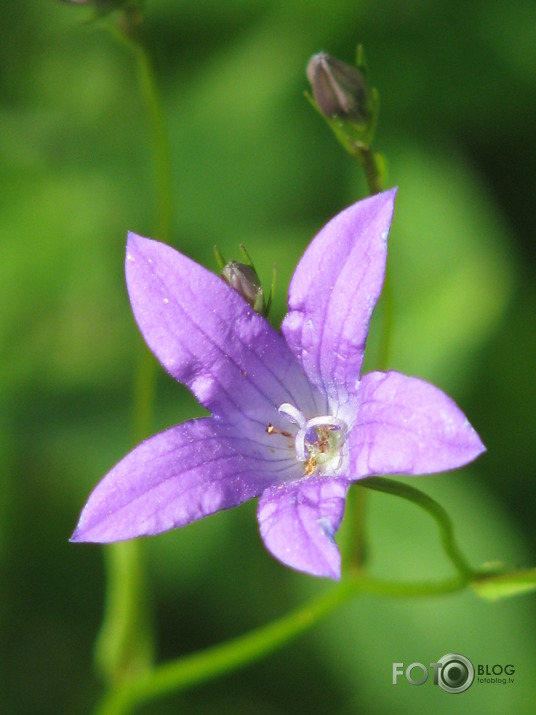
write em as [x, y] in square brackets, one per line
[293, 414]
[328, 421]
[299, 445]
[318, 440]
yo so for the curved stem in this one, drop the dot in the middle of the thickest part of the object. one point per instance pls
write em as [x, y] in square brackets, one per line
[191, 670]
[441, 517]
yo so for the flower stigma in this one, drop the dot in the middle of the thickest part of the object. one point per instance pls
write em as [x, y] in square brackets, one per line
[317, 442]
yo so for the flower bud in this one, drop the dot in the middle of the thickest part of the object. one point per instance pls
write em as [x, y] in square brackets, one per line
[244, 280]
[339, 90]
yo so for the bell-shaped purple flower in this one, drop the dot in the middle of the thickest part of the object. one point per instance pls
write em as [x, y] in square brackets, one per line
[293, 421]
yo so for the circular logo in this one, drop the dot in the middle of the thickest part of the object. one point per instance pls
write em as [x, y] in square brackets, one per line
[457, 673]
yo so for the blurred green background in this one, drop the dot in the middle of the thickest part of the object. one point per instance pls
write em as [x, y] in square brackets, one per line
[253, 163]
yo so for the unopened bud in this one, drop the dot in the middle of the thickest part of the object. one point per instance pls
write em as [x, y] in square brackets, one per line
[339, 90]
[244, 280]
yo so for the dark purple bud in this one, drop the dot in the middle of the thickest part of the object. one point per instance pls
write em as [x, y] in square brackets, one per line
[339, 90]
[244, 280]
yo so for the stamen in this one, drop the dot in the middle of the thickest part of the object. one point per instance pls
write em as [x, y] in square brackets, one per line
[310, 466]
[275, 430]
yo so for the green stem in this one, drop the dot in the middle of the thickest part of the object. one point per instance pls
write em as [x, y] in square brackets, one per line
[143, 397]
[130, 32]
[161, 148]
[191, 670]
[357, 550]
[373, 176]
[441, 517]
[125, 643]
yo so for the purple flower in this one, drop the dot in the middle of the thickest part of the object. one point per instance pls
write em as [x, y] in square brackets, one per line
[293, 421]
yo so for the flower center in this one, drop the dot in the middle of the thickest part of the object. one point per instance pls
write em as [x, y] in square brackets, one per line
[318, 441]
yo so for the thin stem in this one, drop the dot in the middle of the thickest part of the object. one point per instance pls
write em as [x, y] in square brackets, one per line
[125, 642]
[130, 32]
[357, 549]
[191, 670]
[441, 517]
[373, 176]
[143, 396]
[163, 170]
[124, 645]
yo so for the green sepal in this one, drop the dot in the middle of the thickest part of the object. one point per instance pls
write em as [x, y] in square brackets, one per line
[219, 258]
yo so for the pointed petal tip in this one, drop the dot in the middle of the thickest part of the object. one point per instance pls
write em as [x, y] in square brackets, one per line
[298, 521]
[334, 573]
[135, 241]
[389, 193]
[479, 446]
[320, 568]
[131, 237]
[387, 198]
[131, 248]
[474, 447]
[392, 194]
[384, 197]
[408, 426]
[78, 536]
[99, 535]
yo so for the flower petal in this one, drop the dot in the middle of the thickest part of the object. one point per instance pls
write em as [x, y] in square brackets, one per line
[333, 293]
[407, 426]
[172, 479]
[298, 521]
[208, 337]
